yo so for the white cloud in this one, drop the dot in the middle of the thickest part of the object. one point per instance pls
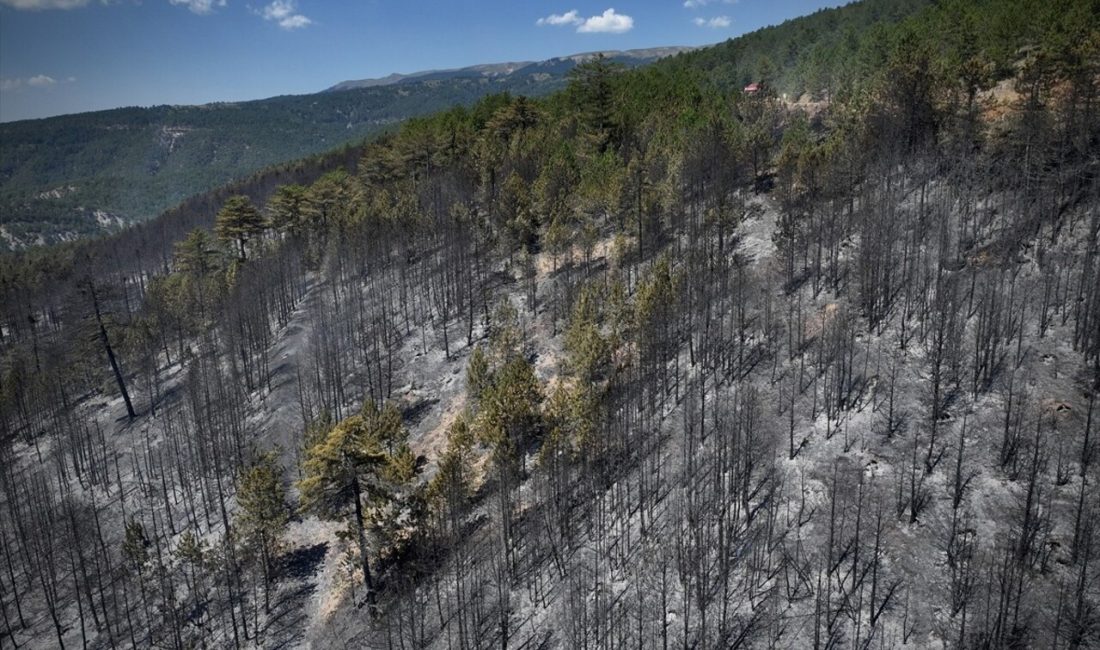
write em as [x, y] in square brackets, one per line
[568, 18]
[38, 5]
[717, 22]
[294, 22]
[285, 13]
[608, 22]
[200, 7]
[9, 84]
[695, 4]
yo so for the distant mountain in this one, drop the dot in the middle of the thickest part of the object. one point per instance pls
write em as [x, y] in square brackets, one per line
[555, 66]
[76, 175]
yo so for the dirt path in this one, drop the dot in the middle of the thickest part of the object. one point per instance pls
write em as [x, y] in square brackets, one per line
[279, 421]
[757, 229]
[311, 562]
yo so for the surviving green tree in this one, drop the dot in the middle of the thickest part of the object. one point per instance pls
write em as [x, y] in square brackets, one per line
[239, 221]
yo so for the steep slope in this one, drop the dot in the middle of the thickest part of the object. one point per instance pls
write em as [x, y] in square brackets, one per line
[664, 365]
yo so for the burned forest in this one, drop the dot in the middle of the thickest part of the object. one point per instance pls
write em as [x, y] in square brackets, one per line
[790, 342]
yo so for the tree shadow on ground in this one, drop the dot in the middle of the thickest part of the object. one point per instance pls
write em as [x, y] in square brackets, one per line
[416, 412]
[286, 626]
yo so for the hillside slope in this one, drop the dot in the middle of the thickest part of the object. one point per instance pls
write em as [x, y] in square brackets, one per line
[643, 363]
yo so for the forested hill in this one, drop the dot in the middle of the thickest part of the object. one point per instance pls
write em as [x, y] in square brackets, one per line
[145, 164]
[552, 68]
[652, 361]
[90, 173]
[85, 174]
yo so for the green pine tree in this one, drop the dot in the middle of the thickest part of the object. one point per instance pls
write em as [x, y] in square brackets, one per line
[264, 515]
[238, 221]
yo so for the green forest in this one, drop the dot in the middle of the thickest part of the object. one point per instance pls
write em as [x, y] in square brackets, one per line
[131, 164]
[137, 162]
[650, 360]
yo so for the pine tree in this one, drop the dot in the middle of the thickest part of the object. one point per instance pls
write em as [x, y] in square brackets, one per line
[363, 460]
[135, 545]
[450, 487]
[478, 375]
[289, 209]
[520, 222]
[510, 416]
[593, 92]
[193, 553]
[196, 255]
[238, 221]
[589, 351]
[264, 515]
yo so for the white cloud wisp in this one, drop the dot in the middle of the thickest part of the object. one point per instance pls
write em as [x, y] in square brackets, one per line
[285, 14]
[40, 5]
[718, 22]
[199, 7]
[9, 84]
[568, 18]
[609, 22]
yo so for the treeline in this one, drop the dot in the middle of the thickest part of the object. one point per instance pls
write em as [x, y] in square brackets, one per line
[784, 440]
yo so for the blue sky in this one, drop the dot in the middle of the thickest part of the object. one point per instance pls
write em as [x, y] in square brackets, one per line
[66, 56]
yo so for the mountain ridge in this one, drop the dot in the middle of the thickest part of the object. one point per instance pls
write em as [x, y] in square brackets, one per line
[506, 68]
